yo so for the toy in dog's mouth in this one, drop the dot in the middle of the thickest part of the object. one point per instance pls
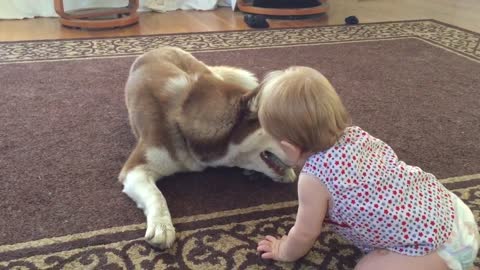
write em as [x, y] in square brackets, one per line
[278, 166]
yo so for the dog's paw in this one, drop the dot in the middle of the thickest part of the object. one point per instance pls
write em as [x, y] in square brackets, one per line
[160, 231]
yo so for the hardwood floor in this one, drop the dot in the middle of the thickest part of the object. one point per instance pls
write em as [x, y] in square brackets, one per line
[462, 13]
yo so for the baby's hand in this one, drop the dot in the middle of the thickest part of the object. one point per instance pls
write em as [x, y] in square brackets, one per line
[270, 247]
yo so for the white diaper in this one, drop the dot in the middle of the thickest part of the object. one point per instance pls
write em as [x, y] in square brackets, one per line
[460, 250]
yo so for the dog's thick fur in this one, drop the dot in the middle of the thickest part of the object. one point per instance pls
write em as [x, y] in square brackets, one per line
[187, 116]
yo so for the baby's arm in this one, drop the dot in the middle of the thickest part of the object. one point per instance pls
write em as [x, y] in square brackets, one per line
[312, 206]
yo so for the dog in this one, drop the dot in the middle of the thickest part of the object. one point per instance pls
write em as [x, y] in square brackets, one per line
[187, 116]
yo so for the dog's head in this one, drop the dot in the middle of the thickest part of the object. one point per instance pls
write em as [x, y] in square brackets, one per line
[256, 149]
[218, 120]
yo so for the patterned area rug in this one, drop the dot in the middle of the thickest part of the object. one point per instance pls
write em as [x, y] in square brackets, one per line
[65, 135]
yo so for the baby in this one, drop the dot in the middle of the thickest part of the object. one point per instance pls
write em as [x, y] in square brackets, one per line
[403, 217]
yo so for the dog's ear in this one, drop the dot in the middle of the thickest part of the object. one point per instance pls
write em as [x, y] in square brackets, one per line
[209, 113]
[249, 105]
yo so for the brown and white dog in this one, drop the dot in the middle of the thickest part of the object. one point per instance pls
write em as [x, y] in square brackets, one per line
[187, 116]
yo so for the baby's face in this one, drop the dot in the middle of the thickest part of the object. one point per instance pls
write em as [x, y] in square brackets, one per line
[290, 159]
[294, 156]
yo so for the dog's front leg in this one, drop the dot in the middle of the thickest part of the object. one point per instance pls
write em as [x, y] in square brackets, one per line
[140, 185]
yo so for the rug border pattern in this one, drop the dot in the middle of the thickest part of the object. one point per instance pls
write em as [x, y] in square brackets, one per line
[37, 258]
[461, 41]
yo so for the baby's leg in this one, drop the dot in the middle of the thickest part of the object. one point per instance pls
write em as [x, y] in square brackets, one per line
[384, 259]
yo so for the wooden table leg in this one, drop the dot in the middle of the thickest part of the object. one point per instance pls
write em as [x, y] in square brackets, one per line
[96, 18]
[249, 8]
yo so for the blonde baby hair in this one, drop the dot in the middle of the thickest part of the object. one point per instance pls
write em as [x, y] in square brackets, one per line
[300, 105]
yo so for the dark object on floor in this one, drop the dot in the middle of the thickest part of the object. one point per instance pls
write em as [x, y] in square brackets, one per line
[256, 21]
[351, 20]
[285, 3]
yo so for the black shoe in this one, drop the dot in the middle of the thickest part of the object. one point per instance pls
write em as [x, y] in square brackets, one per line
[351, 20]
[256, 21]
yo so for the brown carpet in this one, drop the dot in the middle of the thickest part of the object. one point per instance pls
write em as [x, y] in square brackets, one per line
[64, 136]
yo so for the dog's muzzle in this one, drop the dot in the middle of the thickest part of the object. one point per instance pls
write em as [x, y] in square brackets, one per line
[278, 166]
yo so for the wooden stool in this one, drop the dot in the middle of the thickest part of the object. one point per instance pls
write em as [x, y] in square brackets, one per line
[247, 7]
[97, 18]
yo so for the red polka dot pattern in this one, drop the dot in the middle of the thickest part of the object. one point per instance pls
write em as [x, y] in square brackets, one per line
[379, 201]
